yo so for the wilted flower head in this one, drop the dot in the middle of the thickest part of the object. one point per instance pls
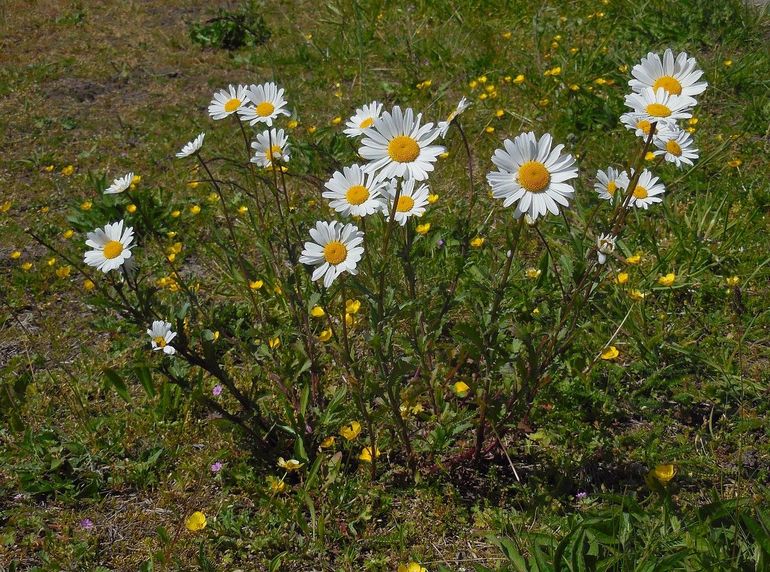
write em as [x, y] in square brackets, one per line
[605, 245]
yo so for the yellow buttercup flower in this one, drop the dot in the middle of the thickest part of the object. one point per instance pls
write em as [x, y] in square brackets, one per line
[667, 280]
[621, 278]
[273, 343]
[460, 388]
[290, 465]
[411, 567]
[477, 242]
[553, 71]
[195, 209]
[489, 129]
[366, 454]
[351, 431]
[5, 206]
[634, 260]
[243, 209]
[499, 113]
[256, 284]
[175, 214]
[293, 124]
[664, 473]
[276, 485]
[193, 184]
[88, 285]
[135, 180]
[68, 170]
[131, 209]
[444, 155]
[610, 353]
[317, 312]
[325, 335]
[533, 273]
[423, 228]
[649, 156]
[63, 271]
[352, 306]
[734, 163]
[506, 35]
[328, 442]
[69, 233]
[195, 522]
[86, 205]
[733, 281]
[51, 261]
[519, 79]
[48, 168]
[637, 295]
[312, 129]
[432, 198]
[337, 120]
[15, 255]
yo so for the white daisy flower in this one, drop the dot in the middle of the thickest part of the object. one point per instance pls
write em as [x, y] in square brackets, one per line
[355, 193]
[161, 335]
[610, 182]
[397, 146]
[336, 249]
[119, 185]
[637, 123]
[227, 101]
[676, 146]
[363, 119]
[647, 191]
[268, 104]
[532, 175]
[111, 246]
[411, 201]
[677, 75]
[192, 147]
[443, 126]
[270, 146]
[659, 106]
[605, 245]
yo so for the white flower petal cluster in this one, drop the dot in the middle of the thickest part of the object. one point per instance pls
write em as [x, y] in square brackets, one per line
[119, 185]
[227, 101]
[335, 248]
[160, 337]
[268, 104]
[111, 246]
[363, 119]
[191, 147]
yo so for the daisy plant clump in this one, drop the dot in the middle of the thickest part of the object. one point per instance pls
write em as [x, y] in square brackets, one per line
[359, 305]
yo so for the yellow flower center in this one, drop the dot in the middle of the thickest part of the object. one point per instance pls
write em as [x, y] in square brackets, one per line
[112, 249]
[232, 105]
[265, 108]
[368, 122]
[335, 252]
[273, 153]
[640, 192]
[403, 149]
[357, 194]
[534, 177]
[670, 84]
[160, 341]
[644, 125]
[658, 110]
[673, 147]
[611, 188]
[405, 204]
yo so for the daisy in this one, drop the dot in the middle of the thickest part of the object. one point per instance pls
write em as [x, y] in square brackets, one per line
[270, 146]
[268, 104]
[411, 201]
[111, 246]
[647, 190]
[336, 249]
[161, 335]
[192, 147]
[227, 101]
[677, 75]
[363, 119]
[532, 175]
[443, 126]
[659, 106]
[676, 146]
[355, 193]
[605, 245]
[397, 146]
[607, 184]
[119, 185]
[636, 123]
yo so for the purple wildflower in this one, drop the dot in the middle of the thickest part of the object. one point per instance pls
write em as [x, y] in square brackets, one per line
[216, 467]
[217, 390]
[86, 524]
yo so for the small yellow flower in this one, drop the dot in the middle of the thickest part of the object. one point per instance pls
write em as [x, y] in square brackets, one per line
[195, 522]
[193, 184]
[507, 35]
[256, 284]
[727, 63]
[243, 209]
[519, 79]
[215, 335]
[477, 242]
[734, 163]
[535, 312]
[86, 205]
[328, 442]
[649, 156]
[444, 155]
[473, 84]
[692, 121]
[637, 295]
[490, 88]
[483, 96]
[349, 320]
[544, 102]
[634, 260]
[175, 214]
[63, 271]
[623, 68]
[69, 233]
[489, 129]
[195, 209]
[461, 388]
[290, 465]
[600, 81]
[44, 210]
[15, 255]
[26, 266]
[533, 273]
[621, 278]
[312, 129]
[423, 228]
[366, 454]
[482, 79]
[733, 281]
[51, 261]
[131, 209]
[352, 306]
[610, 353]
[68, 170]
[553, 71]
[277, 290]
[325, 335]
[293, 124]
[554, 45]
[317, 312]
[411, 567]
[5, 206]
[667, 280]
[273, 343]
[277, 486]
[574, 87]
[48, 168]
[432, 198]
[508, 79]
[499, 113]
[351, 431]
[337, 120]
[135, 180]
[573, 51]
[88, 285]
[664, 473]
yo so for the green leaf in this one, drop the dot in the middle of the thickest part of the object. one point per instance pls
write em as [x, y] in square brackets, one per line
[117, 382]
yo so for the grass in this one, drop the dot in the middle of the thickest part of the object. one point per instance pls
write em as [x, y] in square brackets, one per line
[119, 87]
